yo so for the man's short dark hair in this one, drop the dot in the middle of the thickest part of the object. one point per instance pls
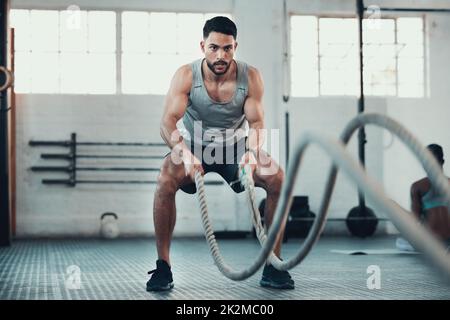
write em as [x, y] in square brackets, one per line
[437, 151]
[220, 24]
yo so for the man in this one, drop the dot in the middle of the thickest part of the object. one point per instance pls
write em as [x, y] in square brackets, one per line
[215, 97]
[428, 206]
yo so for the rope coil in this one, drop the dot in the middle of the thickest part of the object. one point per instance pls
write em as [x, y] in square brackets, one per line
[9, 78]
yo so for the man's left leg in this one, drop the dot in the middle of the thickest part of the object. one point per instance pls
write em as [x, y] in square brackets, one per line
[269, 176]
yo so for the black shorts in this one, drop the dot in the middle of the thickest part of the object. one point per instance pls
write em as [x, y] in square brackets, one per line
[226, 164]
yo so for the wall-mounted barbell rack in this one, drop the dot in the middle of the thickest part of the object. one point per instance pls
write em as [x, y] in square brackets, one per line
[72, 168]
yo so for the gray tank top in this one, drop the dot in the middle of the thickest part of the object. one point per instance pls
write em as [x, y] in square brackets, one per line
[219, 123]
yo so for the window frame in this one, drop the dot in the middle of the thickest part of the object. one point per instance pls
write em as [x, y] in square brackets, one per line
[352, 16]
[118, 45]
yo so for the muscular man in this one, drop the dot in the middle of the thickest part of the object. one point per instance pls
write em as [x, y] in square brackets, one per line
[429, 206]
[215, 97]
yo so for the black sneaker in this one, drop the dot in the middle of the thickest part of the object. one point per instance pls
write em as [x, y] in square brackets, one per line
[162, 277]
[277, 279]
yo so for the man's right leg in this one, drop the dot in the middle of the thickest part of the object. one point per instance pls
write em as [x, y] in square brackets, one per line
[170, 179]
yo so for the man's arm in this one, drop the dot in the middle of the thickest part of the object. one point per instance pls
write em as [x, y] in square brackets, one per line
[174, 109]
[254, 112]
[175, 106]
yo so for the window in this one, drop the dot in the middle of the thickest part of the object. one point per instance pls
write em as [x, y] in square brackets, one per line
[65, 51]
[379, 57]
[411, 69]
[155, 45]
[324, 56]
[338, 57]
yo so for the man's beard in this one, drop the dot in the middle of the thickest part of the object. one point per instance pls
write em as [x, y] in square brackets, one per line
[211, 67]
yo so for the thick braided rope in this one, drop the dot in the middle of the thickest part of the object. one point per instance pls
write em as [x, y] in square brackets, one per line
[428, 161]
[402, 219]
[9, 78]
[249, 185]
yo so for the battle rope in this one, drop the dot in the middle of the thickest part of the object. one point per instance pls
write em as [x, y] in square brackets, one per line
[402, 219]
[9, 78]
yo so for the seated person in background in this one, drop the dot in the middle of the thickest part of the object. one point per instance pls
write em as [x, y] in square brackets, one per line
[429, 206]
